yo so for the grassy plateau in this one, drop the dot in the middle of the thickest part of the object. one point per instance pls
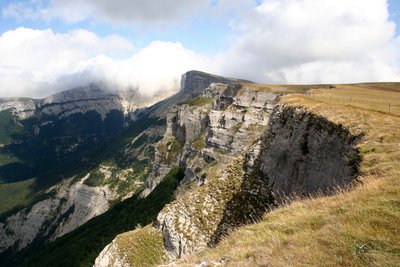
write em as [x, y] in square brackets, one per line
[356, 227]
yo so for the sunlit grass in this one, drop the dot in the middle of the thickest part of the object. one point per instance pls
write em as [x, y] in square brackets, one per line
[381, 98]
[360, 227]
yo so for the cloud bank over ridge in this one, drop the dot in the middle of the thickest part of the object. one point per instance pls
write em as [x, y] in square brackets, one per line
[37, 63]
[285, 41]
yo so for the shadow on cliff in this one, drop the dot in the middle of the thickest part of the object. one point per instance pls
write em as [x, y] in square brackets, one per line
[295, 152]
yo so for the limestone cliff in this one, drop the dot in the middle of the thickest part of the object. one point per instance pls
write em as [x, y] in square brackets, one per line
[70, 205]
[299, 154]
[78, 198]
[209, 136]
[303, 154]
[94, 97]
[228, 185]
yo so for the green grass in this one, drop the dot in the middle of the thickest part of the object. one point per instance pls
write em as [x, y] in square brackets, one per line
[17, 194]
[6, 158]
[142, 247]
[169, 149]
[200, 142]
[124, 180]
[197, 101]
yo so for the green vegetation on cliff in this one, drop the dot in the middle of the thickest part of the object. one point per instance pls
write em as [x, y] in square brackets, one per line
[8, 127]
[83, 245]
[13, 195]
[197, 101]
[141, 247]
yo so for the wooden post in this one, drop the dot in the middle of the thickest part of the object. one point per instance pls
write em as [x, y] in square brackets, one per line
[350, 100]
[329, 99]
[389, 106]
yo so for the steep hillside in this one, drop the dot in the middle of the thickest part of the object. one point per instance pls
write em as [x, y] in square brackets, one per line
[309, 148]
[311, 175]
[356, 227]
[97, 170]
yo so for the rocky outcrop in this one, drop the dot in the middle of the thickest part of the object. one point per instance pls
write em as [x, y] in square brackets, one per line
[299, 154]
[23, 107]
[215, 120]
[304, 154]
[243, 154]
[186, 123]
[213, 154]
[194, 82]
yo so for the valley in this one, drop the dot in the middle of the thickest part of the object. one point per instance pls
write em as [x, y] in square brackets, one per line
[223, 172]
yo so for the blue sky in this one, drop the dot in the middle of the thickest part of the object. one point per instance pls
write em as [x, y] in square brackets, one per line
[50, 45]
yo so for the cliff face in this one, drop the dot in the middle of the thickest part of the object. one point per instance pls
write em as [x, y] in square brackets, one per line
[207, 135]
[72, 205]
[302, 154]
[299, 154]
[58, 126]
[62, 128]
[236, 170]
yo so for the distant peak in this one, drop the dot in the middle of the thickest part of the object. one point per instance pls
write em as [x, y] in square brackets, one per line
[194, 82]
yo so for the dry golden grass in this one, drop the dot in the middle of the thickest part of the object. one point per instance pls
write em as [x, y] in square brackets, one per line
[360, 227]
[279, 88]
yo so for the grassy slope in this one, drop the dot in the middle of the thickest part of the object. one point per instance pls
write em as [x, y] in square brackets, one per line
[16, 194]
[142, 247]
[360, 227]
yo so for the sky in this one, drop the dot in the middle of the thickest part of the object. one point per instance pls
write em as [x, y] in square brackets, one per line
[47, 46]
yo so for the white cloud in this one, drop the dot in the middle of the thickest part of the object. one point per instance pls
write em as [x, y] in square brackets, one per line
[314, 41]
[40, 62]
[280, 41]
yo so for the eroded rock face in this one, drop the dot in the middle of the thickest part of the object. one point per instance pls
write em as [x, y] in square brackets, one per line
[299, 154]
[240, 161]
[228, 128]
[23, 108]
[203, 131]
[186, 123]
[304, 154]
[213, 157]
[72, 205]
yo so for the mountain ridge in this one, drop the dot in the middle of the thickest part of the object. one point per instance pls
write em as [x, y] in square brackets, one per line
[105, 182]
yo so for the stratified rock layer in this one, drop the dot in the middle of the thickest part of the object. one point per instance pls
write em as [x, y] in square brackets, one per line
[299, 154]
